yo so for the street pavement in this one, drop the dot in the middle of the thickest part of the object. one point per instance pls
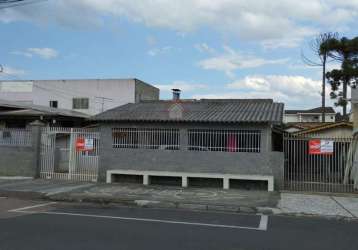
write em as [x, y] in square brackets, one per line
[134, 194]
[27, 224]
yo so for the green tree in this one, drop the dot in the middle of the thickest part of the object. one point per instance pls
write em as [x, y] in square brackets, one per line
[321, 54]
[346, 51]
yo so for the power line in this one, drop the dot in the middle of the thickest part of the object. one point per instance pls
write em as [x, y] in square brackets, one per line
[103, 100]
[69, 95]
[72, 92]
[4, 4]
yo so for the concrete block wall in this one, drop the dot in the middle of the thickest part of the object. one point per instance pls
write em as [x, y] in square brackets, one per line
[264, 163]
[22, 160]
[17, 161]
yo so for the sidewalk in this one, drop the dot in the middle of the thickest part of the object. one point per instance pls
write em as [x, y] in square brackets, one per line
[184, 198]
[326, 205]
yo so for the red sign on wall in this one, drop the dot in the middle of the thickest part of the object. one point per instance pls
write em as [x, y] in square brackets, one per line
[320, 147]
[80, 144]
[314, 147]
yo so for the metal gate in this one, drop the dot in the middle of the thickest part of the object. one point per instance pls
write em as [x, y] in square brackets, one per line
[69, 154]
[305, 170]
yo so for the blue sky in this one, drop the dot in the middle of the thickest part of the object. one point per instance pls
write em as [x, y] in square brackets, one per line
[207, 48]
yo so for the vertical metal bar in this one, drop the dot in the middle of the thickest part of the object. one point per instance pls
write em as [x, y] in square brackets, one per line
[71, 154]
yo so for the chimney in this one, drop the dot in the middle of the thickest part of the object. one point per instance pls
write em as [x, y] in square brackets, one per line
[176, 94]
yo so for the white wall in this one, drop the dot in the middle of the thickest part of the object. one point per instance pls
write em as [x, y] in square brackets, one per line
[118, 91]
[308, 118]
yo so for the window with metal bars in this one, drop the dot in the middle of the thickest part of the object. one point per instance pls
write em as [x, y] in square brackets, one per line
[224, 140]
[148, 138]
[80, 103]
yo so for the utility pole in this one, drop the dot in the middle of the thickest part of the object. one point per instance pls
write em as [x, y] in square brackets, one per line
[324, 61]
[103, 99]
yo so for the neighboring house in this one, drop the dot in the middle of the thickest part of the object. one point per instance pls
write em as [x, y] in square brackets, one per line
[309, 115]
[188, 141]
[299, 126]
[19, 115]
[90, 96]
[328, 130]
[354, 116]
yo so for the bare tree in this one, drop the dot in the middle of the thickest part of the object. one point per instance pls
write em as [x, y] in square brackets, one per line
[317, 46]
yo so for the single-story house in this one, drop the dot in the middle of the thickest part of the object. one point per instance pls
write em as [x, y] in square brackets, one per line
[20, 115]
[328, 130]
[189, 142]
[294, 127]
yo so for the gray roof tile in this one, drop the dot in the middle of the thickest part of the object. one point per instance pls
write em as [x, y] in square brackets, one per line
[205, 110]
[27, 109]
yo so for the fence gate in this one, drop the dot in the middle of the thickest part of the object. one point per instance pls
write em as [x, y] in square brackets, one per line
[317, 164]
[69, 154]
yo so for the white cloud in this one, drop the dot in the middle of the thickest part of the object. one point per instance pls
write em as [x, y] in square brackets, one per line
[290, 40]
[232, 60]
[274, 23]
[22, 53]
[182, 85]
[45, 53]
[159, 51]
[294, 91]
[10, 71]
[333, 65]
[151, 40]
[204, 48]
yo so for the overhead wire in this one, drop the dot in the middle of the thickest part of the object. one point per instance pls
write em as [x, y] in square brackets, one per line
[4, 4]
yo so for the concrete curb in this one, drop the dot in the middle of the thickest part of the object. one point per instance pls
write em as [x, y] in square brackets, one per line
[15, 178]
[163, 204]
[26, 195]
[23, 195]
[137, 203]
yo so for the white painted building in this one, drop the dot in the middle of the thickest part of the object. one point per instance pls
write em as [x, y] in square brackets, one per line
[309, 115]
[89, 96]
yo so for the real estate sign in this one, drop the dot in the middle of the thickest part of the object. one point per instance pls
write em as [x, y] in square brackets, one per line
[84, 144]
[320, 147]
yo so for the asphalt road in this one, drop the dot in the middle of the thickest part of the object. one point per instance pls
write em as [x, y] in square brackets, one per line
[40, 225]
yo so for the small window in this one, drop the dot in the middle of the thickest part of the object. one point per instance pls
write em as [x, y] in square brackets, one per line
[54, 104]
[80, 103]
